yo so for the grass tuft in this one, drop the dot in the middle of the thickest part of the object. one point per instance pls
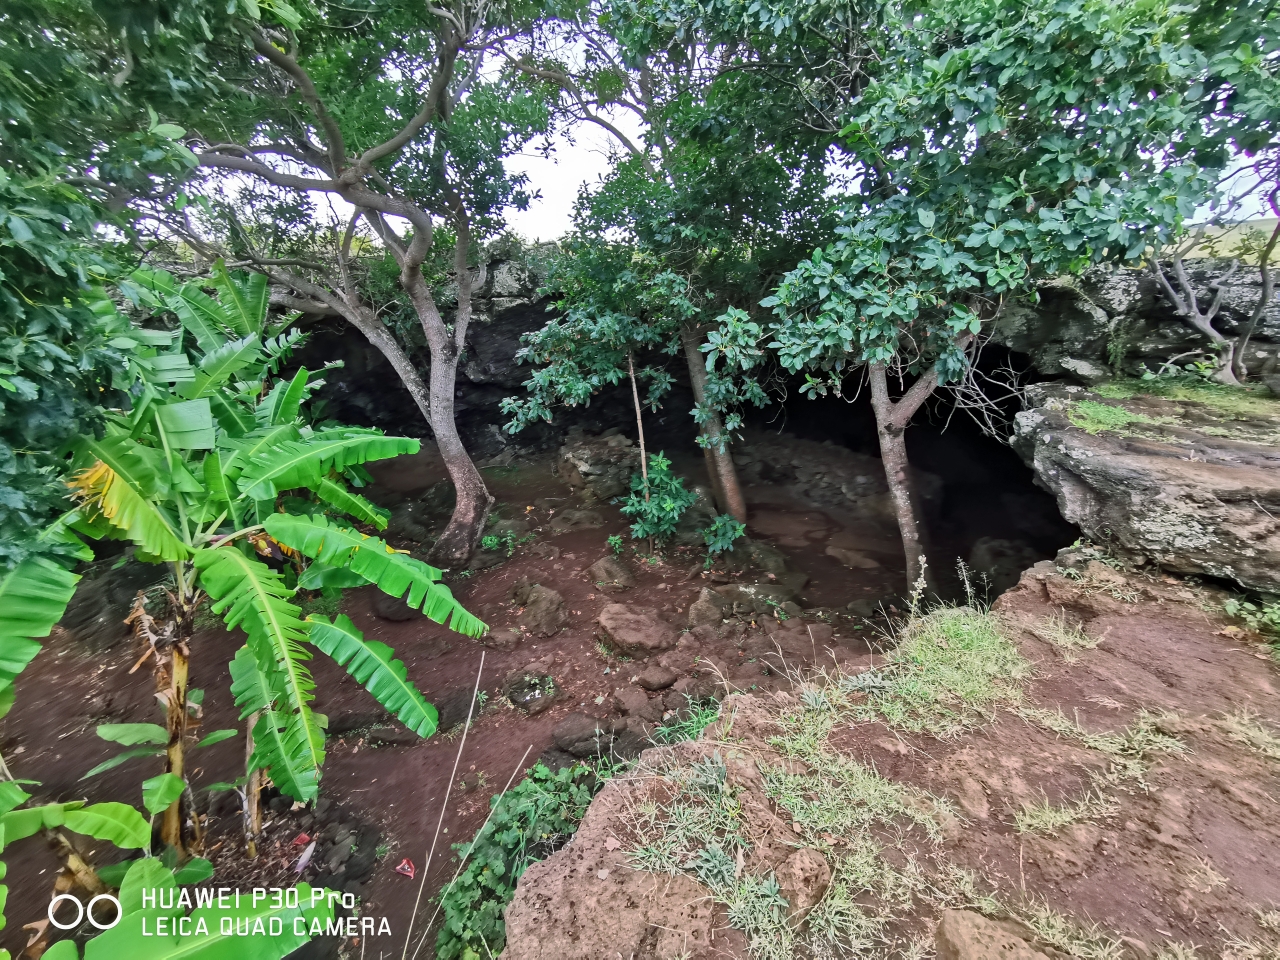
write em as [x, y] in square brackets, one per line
[1044, 817]
[1069, 638]
[1093, 417]
[1244, 727]
[950, 670]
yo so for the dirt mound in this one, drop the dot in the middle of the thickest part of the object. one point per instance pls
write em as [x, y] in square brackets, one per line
[1090, 770]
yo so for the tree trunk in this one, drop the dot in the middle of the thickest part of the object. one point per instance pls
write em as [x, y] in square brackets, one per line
[724, 475]
[891, 423]
[471, 508]
[175, 758]
[435, 398]
[1264, 298]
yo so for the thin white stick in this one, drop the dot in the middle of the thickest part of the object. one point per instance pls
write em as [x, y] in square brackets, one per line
[493, 807]
[444, 806]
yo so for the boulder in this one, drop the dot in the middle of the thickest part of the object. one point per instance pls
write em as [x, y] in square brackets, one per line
[543, 612]
[656, 677]
[600, 467]
[530, 688]
[966, 935]
[573, 518]
[611, 574]
[853, 559]
[386, 607]
[1082, 326]
[804, 877]
[1001, 561]
[709, 608]
[581, 736]
[635, 631]
[1180, 485]
[751, 598]
[632, 702]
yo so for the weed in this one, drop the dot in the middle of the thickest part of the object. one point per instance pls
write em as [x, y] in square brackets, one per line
[699, 715]
[615, 544]
[1066, 636]
[529, 822]
[381, 851]
[951, 668]
[494, 542]
[1064, 934]
[1176, 950]
[656, 507]
[1044, 817]
[713, 866]
[758, 908]
[1261, 618]
[1204, 877]
[1244, 727]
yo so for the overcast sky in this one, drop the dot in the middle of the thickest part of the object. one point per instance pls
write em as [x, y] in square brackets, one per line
[559, 177]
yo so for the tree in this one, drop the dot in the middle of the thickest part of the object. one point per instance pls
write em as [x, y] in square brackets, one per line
[998, 144]
[203, 473]
[393, 109]
[72, 94]
[724, 189]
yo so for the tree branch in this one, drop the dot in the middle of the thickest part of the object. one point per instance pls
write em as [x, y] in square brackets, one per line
[333, 133]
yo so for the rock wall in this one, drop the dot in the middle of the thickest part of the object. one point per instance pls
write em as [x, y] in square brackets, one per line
[1078, 324]
[1180, 484]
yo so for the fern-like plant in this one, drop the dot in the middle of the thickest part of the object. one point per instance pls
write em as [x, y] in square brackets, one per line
[194, 476]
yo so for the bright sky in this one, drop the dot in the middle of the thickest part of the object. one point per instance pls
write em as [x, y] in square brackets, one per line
[559, 178]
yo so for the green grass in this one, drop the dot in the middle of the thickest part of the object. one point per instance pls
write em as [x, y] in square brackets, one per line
[1236, 403]
[1093, 417]
[1044, 817]
[950, 670]
[1130, 752]
[701, 715]
[1069, 638]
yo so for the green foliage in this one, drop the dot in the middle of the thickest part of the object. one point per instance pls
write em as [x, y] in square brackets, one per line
[189, 472]
[393, 572]
[657, 508]
[529, 822]
[1233, 402]
[721, 535]
[1260, 617]
[33, 596]
[615, 544]
[950, 669]
[493, 542]
[998, 144]
[371, 663]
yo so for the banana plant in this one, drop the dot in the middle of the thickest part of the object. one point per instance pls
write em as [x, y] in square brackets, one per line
[213, 471]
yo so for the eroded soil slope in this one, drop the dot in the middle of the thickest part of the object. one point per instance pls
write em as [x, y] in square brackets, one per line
[1093, 766]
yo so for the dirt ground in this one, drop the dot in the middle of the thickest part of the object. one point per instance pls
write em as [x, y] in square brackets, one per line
[1119, 800]
[66, 692]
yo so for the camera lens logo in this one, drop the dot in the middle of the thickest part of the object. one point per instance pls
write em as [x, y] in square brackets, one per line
[81, 911]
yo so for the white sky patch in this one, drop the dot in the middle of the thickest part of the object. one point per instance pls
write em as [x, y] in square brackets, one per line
[558, 178]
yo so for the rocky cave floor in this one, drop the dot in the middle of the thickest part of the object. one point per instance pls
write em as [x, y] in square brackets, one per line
[598, 651]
